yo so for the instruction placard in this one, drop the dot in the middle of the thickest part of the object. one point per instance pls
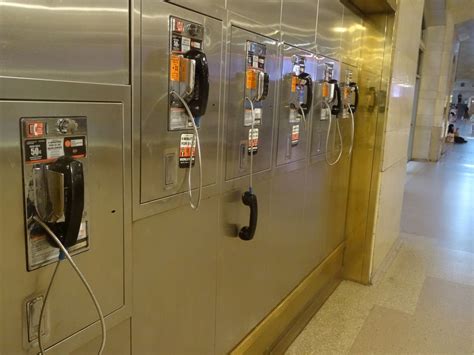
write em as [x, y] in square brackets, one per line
[258, 113]
[295, 134]
[187, 150]
[49, 149]
[253, 141]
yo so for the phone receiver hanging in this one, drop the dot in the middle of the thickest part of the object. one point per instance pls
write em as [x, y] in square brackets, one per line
[355, 87]
[73, 173]
[248, 232]
[306, 106]
[338, 106]
[200, 94]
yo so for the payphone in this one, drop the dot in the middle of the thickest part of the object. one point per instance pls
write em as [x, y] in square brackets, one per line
[54, 174]
[249, 114]
[189, 92]
[350, 93]
[331, 107]
[256, 90]
[296, 101]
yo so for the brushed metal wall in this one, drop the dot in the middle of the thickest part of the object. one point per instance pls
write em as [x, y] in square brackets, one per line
[67, 58]
[69, 40]
[196, 288]
[192, 266]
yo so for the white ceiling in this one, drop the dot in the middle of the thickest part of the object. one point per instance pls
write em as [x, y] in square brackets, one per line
[465, 34]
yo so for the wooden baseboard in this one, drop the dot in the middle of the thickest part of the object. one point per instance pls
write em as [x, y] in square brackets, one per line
[275, 333]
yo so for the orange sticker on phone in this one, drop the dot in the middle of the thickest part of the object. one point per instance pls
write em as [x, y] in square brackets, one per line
[183, 69]
[174, 67]
[294, 81]
[325, 90]
[347, 92]
[251, 79]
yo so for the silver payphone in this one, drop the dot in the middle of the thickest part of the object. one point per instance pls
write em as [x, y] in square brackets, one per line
[54, 165]
[350, 98]
[296, 102]
[249, 127]
[180, 86]
[327, 103]
[54, 171]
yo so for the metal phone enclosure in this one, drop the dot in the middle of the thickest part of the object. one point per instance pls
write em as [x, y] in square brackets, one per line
[184, 35]
[43, 140]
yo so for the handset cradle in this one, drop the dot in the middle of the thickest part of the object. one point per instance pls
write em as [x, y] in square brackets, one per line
[308, 82]
[355, 88]
[73, 173]
[338, 106]
[198, 98]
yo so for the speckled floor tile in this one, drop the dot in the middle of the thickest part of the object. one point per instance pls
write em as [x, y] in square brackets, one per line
[442, 324]
[423, 302]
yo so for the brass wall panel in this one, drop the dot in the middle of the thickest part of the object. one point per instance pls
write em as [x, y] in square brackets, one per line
[363, 171]
[373, 45]
[367, 158]
[351, 38]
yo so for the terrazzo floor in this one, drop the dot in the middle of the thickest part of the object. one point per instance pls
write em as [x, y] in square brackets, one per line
[423, 303]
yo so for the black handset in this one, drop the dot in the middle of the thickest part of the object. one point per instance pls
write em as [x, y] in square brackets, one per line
[198, 101]
[262, 86]
[73, 173]
[248, 232]
[306, 106]
[338, 107]
[354, 86]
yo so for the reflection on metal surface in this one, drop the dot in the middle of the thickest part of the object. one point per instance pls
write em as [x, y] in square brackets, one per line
[61, 8]
[86, 42]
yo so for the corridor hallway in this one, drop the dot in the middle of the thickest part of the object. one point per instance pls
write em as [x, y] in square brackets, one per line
[423, 300]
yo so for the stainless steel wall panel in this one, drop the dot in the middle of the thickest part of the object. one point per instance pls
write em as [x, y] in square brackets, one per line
[69, 306]
[244, 284]
[235, 131]
[214, 8]
[298, 23]
[264, 12]
[156, 139]
[174, 293]
[286, 152]
[351, 40]
[71, 40]
[329, 28]
[294, 251]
